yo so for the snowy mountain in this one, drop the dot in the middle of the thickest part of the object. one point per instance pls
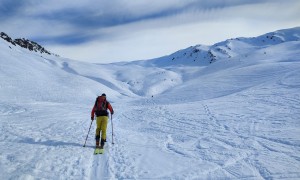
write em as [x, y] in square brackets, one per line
[203, 55]
[226, 111]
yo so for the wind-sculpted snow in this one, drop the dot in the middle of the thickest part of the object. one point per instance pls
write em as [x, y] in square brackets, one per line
[234, 118]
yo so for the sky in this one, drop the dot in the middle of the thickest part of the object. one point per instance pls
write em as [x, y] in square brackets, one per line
[105, 31]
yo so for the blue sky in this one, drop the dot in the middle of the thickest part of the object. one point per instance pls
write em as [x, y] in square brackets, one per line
[123, 30]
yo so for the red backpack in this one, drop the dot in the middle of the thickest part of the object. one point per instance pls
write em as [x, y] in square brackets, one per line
[101, 107]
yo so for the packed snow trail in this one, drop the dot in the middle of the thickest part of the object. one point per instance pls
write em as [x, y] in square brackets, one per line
[100, 166]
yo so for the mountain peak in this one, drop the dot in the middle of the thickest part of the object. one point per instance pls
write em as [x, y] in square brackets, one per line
[25, 43]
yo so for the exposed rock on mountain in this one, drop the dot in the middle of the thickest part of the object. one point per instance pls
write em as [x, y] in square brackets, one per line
[25, 43]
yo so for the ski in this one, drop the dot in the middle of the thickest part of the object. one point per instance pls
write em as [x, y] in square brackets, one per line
[101, 151]
[98, 151]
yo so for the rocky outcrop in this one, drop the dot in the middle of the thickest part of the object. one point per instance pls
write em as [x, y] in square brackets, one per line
[25, 43]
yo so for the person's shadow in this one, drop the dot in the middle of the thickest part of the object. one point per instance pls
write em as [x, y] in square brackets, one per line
[50, 142]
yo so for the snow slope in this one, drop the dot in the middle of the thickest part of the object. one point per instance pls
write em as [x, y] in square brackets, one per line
[232, 115]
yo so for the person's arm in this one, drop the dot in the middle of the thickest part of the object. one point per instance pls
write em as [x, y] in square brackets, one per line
[93, 110]
[110, 109]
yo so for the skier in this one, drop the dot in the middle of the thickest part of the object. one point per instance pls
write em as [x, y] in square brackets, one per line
[100, 109]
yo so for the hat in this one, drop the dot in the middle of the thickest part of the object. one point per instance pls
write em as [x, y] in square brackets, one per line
[103, 94]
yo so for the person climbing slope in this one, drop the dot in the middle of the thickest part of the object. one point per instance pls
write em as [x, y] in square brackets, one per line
[100, 109]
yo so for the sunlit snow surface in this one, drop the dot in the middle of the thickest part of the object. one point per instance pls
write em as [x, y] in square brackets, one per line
[175, 118]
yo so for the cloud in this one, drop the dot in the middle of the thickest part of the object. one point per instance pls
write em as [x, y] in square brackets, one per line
[10, 8]
[90, 15]
[140, 29]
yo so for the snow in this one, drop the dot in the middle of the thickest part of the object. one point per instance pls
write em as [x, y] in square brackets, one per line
[235, 118]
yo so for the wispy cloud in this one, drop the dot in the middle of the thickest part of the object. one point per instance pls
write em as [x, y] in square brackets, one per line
[140, 29]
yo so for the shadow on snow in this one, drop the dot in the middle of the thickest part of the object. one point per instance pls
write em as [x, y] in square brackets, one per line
[53, 143]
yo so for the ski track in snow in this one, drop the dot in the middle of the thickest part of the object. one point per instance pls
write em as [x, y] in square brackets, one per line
[221, 137]
[100, 166]
[40, 143]
[218, 143]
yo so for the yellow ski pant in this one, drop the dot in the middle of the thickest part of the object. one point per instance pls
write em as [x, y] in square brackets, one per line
[101, 126]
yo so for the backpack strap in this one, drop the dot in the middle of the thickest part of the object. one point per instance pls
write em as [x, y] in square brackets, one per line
[96, 102]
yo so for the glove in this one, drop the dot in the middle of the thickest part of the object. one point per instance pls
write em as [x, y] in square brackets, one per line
[92, 118]
[112, 113]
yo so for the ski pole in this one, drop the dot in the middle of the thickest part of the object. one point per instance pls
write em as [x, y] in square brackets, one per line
[112, 130]
[88, 134]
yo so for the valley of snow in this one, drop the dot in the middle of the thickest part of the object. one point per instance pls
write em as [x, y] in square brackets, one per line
[228, 111]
